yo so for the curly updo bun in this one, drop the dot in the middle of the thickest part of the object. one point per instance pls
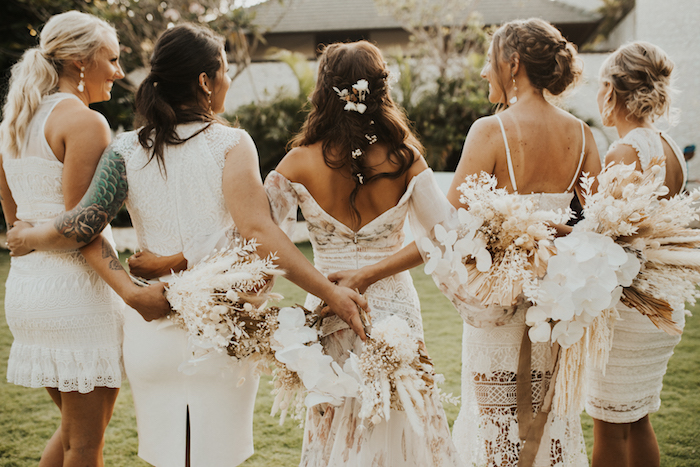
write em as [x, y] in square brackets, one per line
[551, 62]
[640, 76]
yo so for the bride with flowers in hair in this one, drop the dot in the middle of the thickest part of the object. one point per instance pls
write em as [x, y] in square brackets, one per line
[357, 172]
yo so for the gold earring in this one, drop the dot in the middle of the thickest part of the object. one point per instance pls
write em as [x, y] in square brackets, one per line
[209, 99]
[514, 99]
[81, 83]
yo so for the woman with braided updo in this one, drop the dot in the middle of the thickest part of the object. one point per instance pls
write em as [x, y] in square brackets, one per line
[356, 171]
[635, 89]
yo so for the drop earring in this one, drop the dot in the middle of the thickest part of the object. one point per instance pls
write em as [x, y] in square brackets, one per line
[209, 99]
[514, 99]
[81, 83]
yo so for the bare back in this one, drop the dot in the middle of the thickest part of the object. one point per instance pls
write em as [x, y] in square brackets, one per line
[331, 188]
[549, 149]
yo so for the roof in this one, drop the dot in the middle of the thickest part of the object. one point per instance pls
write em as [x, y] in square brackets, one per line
[295, 16]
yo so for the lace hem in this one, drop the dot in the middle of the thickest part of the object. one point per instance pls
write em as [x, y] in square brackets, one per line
[622, 413]
[67, 370]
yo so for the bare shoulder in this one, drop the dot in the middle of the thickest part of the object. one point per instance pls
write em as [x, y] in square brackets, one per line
[72, 116]
[298, 161]
[485, 128]
[418, 166]
[622, 154]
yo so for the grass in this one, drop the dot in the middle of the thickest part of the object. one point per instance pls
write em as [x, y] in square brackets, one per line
[28, 417]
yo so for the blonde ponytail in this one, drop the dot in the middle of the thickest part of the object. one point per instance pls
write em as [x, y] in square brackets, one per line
[70, 36]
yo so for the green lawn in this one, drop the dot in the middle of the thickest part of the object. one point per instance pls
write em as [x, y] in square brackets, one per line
[28, 417]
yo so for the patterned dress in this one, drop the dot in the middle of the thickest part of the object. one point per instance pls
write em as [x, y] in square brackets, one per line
[331, 434]
[65, 320]
[631, 386]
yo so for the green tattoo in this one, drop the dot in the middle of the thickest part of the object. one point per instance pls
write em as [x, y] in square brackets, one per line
[100, 203]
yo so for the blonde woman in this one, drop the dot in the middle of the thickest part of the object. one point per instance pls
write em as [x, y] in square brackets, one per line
[635, 89]
[66, 322]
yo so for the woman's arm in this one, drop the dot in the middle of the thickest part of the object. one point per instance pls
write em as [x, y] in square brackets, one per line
[478, 155]
[247, 201]
[148, 301]
[79, 226]
[9, 207]
[148, 265]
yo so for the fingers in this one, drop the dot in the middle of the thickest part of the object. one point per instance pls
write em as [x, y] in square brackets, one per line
[356, 325]
[361, 301]
[334, 277]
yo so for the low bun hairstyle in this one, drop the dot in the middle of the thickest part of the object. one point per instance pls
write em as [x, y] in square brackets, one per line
[640, 76]
[170, 94]
[343, 132]
[551, 62]
[66, 37]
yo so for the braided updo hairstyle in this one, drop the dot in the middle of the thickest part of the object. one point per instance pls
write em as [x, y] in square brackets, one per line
[347, 134]
[551, 62]
[640, 76]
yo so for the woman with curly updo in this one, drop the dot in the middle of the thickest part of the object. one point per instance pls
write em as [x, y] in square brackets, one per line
[356, 171]
[635, 89]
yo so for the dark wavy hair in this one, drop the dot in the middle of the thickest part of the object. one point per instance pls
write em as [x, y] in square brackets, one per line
[551, 62]
[341, 132]
[170, 94]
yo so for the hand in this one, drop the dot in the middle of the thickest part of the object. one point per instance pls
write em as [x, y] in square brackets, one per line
[16, 237]
[144, 264]
[353, 279]
[344, 303]
[149, 301]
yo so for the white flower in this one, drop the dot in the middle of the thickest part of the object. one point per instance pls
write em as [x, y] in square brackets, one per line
[435, 264]
[567, 333]
[342, 94]
[292, 328]
[629, 270]
[540, 332]
[362, 85]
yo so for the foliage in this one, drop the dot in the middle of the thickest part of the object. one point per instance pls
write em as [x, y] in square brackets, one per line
[442, 116]
[613, 12]
[439, 86]
[138, 23]
[272, 124]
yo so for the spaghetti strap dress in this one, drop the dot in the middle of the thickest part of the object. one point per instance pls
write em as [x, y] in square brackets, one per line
[486, 429]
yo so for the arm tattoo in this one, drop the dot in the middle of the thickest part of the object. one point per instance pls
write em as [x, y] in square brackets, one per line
[100, 203]
[108, 252]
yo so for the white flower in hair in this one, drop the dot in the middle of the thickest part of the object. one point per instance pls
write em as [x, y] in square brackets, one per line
[357, 107]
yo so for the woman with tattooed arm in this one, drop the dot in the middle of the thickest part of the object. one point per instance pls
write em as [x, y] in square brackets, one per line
[66, 322]
[185, 174]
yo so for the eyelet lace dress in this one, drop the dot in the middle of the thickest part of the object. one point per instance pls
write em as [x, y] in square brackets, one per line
[331, 434]
[640, 352]
[65, 320]
[486, 431]
[170, 209]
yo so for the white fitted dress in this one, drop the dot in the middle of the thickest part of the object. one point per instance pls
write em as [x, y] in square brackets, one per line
[169, 209]
[331, 434]
[640, 352]
[65, 320]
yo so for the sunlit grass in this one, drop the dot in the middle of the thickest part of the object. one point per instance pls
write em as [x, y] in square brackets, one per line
[28, 417]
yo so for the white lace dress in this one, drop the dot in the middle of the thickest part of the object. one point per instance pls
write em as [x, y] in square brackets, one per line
[331, 435]
[486, 431]
[65, 320]
[168, 211]
[631, 386]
